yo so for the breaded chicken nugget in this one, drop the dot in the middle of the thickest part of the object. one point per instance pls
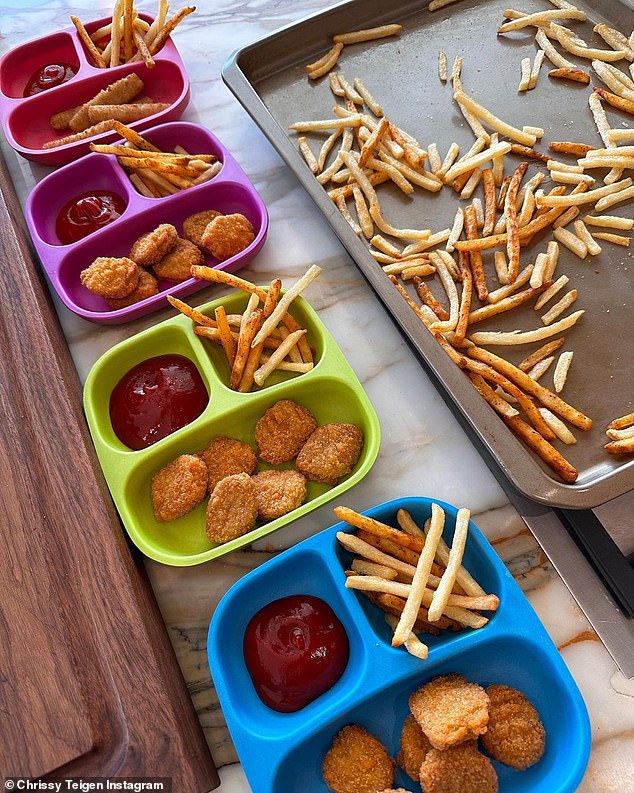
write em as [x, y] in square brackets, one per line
[232, 508]
[110, 277]
[414, 747]
[225, 457]
[450, 710]
[194, 225]
[282, 431]
[147, 286]
[150, 248]
[516, 735]
[357, 763]
[331, 452]
[278, 492]
[176, 266]
[460, 769]
[227, 235]
[179, 487]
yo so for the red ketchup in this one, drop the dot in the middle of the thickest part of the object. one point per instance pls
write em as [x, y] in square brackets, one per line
[295, 650]
[49, 76]
[155, 398]
[86, 213]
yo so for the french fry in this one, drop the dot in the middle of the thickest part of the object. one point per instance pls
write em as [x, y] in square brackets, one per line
[363, 567]
[475, 257]
[442, 66]
[474, 161]
[127, 29]
[570, 73]
[494, 338]
[425, 294]
[134, 137]
[142, 48]
[354, 120]
[420, 313]
[324, 64]
[609, 221]
[622, 422]
[506, 304]
[581, 230]
[561, 370]
[97, 129]
[588, 197]
[379, 529]
[88, 42]
[419, 581]
[615, 39]
[456, 229]
[508, 289]
[166, 31]
[567, 147]
[541, 19]
[571, 241]
[617, 239]
[558, 427]
[541, 354]
[289, 342]
[624, 446]
[576, 47]
[226, 337]
[525, 75]
[537, 65]
[541, 368]
[192, 313]
[452, 293]
[488, 186]
[149, 191]
[568, 216]
[282, 307]
[368, 98]
[614, 198]
[356, 545]
[412, 643]
[555, 57]
[493, 121]
[245, 338]
[369, 34]
[512, 229]
[255, 353]
[442, 596]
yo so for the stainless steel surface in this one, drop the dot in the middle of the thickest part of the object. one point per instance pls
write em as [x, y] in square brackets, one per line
[617, 516]
[613, 627]
[269, 79]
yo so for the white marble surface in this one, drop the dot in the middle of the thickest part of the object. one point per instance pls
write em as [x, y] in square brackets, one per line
[421, 441]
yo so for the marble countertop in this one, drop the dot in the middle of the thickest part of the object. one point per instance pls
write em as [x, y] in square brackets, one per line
[423, 447]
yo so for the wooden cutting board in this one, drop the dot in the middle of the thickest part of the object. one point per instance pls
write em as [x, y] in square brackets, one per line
[89, 684]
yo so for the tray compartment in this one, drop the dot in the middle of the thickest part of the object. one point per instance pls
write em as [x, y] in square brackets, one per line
[508, 659]
[48, 198]
[117, 362]
[17, 68]
[479, 559]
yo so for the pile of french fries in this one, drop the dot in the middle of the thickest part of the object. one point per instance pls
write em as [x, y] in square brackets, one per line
[156, 173]
[127, 37]
[262, 339]
[621, 434]
[327, 62]
[364, 149]
[413, 576]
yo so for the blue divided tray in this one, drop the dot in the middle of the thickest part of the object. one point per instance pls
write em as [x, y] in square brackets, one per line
[282, 753]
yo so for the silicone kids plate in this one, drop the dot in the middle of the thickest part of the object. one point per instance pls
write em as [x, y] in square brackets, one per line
[25, 120]
[283, 753]
[229, 191]
[330, 391]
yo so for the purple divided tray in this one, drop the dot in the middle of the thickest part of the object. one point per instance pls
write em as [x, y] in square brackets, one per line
[229, 191]
[25, 120]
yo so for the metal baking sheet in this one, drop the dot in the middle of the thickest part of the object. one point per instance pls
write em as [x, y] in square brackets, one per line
[269, 79]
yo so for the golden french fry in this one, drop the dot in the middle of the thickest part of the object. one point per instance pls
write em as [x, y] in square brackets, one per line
[622, 422]
[542, 448]
[570, 73]
[539, 355]
[475, 257]
[192, 313]
[226, 337]
[368, 34]
[166, 31]
[88, 42]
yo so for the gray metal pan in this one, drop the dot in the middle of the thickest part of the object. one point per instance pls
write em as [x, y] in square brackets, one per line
[269, 79]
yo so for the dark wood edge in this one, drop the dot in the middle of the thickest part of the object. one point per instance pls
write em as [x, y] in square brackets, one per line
[141, 716]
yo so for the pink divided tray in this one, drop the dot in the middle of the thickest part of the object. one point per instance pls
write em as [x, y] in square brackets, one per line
[25, 120]
[229, 191]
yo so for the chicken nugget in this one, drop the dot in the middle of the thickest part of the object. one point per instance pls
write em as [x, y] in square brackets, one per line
[225, 457]
[516, 735]
[450, 710]
[147, 286]
[331, 452]
[110, 277]
[459, 769]
[232, 508]
[282, 431]
[194, 225]
[176, 266]
[227, 235]
[179, 487]
[150, 248]
[278, 492]
[357, 763]
[414, 747]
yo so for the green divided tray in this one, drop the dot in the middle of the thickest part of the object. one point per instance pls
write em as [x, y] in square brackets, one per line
[331, 391]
